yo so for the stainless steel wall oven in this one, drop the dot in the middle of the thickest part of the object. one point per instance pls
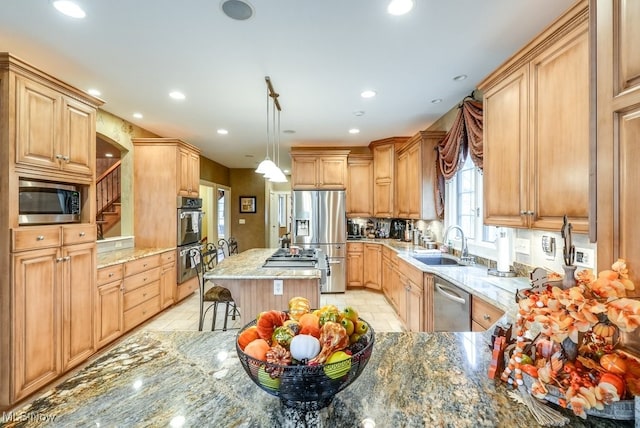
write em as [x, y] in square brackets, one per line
[189, 234]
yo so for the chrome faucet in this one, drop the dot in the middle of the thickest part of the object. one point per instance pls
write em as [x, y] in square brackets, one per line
[465, 250]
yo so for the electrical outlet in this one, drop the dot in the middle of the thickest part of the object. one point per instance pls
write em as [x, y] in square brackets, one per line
[549, 247]
[117, 244]
[278, 287]
[523, 246]
[585, 258]
[241, 221]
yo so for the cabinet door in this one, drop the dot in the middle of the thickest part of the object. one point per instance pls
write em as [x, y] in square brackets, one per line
[303, 173]
[372, 265]
[184, 172]
[168, 284]
[505, 151]
[355, 269]
[78, 138]
[36, 329]
[360, 188]
[427, 302]
[332, 172]
[415, 310]
[38, 125]
[109, 311]
[402, 184]
[414, 182]
[194, 173]
[383, 172]
[559, 134]
[78, 288]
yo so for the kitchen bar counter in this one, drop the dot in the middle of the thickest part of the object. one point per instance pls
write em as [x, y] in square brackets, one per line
[248, 265]
[195, 379]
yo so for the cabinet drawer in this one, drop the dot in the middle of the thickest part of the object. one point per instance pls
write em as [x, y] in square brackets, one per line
[168, 257]
[414, 275]
[78, 234]
[109, 274]
[141, 294]
[355, 247]
[141, 279]
[388, 253]
[34, 238]
[140, 265]
[484, 313]
[141, 313]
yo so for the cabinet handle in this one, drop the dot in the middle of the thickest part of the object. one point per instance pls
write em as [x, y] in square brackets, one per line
[122, 288]
[110, 274]
[65, 158]
[81, 234]
[59, 156]
[523, 212]
[144, 294]
[40, 238]
[531, 213]
[66, 258]
[59, 259]
[144, 265]
[486, 317]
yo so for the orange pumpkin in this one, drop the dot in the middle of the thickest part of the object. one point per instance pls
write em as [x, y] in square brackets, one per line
[309, 320]
[248, 335]
[613, 363]
[614, 380]
[257, 349]
[604, 329]
[311, 330]
[268, 321]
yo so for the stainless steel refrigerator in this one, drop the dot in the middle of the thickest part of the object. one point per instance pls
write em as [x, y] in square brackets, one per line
[319, 221]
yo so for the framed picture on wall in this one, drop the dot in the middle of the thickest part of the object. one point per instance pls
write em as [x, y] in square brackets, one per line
[247, 204]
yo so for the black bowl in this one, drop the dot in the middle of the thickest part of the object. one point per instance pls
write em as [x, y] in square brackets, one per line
[302, 386]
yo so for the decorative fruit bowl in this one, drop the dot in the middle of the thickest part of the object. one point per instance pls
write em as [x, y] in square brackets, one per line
[306, 384]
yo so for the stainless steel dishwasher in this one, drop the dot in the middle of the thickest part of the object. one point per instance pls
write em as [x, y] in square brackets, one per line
[451, 307]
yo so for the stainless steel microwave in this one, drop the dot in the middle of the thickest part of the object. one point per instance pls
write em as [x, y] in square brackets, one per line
[42, 202]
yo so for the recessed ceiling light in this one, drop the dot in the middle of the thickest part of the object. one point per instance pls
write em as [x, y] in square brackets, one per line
[368, 94]
[237, 9]
[69, 8]
[177, 95]
[94, 92]
[137, 115]
[222, 131]
[460, 77]
[108, 155]
[358, 113]
[354, 131]
[436, 101]
[400, 7]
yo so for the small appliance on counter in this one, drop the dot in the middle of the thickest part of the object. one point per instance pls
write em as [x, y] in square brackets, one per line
[353, 230]
[396, 229]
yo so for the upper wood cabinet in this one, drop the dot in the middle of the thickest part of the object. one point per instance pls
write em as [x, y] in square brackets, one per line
[55, 125]
[618, 133]
[164, 168]
[536, 130]
[384, 172]
[318, 169]
[360, 185]
[416, 176]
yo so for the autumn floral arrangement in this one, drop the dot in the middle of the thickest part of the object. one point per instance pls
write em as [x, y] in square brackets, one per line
[567, 341]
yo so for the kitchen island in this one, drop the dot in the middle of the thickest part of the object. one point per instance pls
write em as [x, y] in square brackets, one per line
[254, 287]
[195, 379]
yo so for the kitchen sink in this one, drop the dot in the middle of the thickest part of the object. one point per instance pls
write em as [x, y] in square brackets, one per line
[438, 260]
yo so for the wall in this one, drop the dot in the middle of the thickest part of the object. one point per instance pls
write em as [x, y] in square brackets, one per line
[251, 234]
[214, 172]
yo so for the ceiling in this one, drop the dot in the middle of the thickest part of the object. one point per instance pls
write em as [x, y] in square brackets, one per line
[320, 55]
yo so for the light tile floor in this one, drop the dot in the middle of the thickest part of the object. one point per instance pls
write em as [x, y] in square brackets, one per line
[372, 307]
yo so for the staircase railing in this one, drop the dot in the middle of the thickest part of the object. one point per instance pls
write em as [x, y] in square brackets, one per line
[107, 192]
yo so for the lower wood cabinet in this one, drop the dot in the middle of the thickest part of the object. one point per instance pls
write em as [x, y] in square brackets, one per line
[483, 314]
[141, 299]
[355, 264]
[109, 323]
[372, 263]
[411, 296]
[168, 279]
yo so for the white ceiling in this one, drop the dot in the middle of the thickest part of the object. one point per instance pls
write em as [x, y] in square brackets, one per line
[319, 54]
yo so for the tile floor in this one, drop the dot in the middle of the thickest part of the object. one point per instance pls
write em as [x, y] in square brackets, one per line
[372, 306]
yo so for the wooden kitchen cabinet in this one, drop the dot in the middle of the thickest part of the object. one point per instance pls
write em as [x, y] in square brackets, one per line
[141, 299]
[324, 169]
[411, 297]
[355, 264]
[109, 305]
[360, 185]
[483, 314]
[188, 173]
[168, 278]
[536, 130]
[53, 302]
[616, 147]
[372, 264]
[384, 167]
[416, 176]
[428, 284]
[391, 277]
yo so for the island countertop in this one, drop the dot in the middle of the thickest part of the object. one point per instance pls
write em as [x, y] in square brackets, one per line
[195, 379]
[248, 265]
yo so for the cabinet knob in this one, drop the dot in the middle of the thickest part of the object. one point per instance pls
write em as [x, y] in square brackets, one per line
[81, 233]
[40, 238]
[122, 288]
[110, 274]
[59, 259]
[66, 258]
[65, 158]
[523, 212]
[486, 317]
[530, 213]
[59, 156]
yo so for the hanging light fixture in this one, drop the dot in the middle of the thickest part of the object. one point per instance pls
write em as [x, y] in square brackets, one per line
[267, 167]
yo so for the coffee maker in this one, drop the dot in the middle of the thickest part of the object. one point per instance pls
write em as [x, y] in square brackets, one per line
[353, 229]
[396, 230]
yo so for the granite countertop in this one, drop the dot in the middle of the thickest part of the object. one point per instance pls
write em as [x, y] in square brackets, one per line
[195, 379]
[110, 258]
[248, 265]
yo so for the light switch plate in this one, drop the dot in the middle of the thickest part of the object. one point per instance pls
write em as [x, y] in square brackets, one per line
[585, 258]
[241, 221]
[523, 246]
[278, 287]
[549, 247]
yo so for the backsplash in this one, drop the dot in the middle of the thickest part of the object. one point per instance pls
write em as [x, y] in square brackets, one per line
[113, 244]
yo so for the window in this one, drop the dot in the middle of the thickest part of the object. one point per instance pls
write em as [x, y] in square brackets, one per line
[464, 204]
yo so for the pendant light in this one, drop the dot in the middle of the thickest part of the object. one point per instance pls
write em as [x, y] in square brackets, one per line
[267, 164]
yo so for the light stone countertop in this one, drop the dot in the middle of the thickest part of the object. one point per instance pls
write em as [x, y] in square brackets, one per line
[195, 379]
[111, 258]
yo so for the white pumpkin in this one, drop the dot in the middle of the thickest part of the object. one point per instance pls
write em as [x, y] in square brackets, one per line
[304, 347]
